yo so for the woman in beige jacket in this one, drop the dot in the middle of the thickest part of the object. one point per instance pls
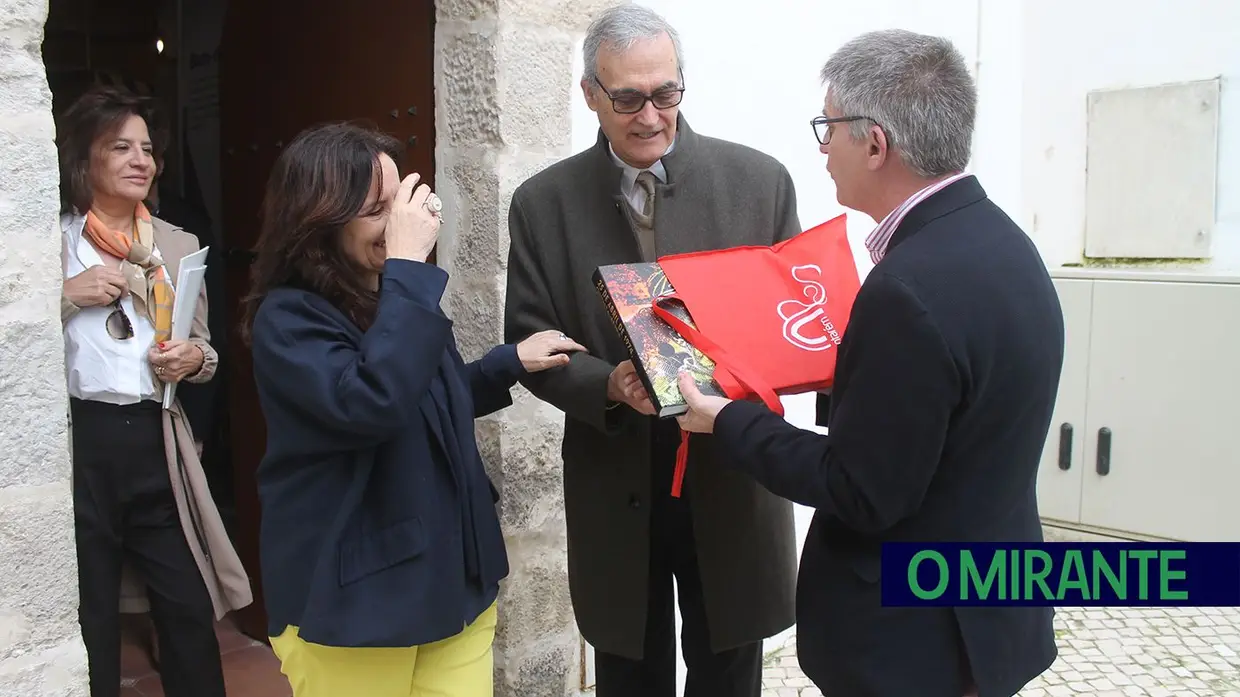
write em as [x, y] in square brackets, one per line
[142, 510]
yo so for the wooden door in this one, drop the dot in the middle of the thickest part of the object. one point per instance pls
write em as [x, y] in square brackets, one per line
[287, 65]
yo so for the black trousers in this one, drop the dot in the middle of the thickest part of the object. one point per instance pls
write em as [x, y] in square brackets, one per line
[733, 673]
[124, 510]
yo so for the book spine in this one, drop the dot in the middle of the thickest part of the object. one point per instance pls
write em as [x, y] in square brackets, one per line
[605, 294]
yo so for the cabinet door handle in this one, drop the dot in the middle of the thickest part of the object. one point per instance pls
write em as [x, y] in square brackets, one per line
[1065, 447]
[1103, 464]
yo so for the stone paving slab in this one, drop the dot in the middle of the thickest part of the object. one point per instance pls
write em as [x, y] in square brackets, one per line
[1106, 652]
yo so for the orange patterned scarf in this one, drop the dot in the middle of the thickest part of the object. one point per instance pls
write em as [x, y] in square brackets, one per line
[143, 269]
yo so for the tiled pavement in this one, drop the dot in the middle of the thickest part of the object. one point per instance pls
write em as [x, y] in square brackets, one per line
[1108, 652]
[1103, 652]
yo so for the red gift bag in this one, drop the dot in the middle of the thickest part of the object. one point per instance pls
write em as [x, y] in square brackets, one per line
[771, 318]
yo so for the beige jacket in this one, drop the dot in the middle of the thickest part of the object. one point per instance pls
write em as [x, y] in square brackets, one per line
[221, 568]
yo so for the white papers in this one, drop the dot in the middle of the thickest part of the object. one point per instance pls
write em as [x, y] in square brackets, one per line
[188, 287]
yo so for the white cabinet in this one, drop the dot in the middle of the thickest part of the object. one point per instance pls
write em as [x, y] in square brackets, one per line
[1059, 490]
[1153, 366]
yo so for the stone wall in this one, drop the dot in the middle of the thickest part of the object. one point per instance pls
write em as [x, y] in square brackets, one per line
[504, 89]
[41, 652]
[504, 86]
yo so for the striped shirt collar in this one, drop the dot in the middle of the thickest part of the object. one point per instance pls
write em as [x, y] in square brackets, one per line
[879, 239]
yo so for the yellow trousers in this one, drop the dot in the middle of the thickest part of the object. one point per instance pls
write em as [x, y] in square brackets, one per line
[459, 666]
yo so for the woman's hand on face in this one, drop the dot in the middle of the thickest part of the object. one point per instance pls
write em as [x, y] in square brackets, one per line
[98, 285]
[412, 227]
[547, 349]
[175, 360]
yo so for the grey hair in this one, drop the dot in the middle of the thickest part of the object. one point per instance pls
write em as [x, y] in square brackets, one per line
[917, 88]
[618, 28]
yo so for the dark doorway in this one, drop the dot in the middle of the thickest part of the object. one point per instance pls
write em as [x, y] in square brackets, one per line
[239, 79]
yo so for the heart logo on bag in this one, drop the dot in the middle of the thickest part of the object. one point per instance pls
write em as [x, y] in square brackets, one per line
[806, 324]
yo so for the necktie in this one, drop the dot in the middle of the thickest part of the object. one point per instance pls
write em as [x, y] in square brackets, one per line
[645, 217]
[645, 181]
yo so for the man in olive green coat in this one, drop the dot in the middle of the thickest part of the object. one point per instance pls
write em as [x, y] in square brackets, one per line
[648, 188]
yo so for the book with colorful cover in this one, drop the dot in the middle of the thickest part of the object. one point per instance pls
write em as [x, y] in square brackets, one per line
[658, 352]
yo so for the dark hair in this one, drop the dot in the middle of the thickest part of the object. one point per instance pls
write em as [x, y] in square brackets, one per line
[318, 184]
[99, 113]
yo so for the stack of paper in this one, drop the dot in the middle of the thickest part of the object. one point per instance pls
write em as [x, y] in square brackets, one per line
[188, 287]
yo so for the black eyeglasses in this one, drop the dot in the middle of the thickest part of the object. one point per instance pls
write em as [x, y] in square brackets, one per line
[822, 125]
[630, 101]
[118, 324]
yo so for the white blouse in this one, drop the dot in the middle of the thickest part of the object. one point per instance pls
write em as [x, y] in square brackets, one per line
[98, 367]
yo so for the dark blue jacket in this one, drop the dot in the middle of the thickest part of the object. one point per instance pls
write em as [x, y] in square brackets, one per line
[379, 525]
[944, 388]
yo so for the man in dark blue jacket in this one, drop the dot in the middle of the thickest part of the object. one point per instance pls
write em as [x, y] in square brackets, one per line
[943, 393]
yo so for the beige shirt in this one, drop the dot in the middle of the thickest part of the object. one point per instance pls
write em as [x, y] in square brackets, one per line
[628, 180]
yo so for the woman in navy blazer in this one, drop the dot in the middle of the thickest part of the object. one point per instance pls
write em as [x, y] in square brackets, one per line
[380, 544]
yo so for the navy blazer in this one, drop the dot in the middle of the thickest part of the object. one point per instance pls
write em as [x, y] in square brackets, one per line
[379, 526]
[944, 388]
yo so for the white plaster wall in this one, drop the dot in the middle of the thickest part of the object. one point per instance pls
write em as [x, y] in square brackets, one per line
[1114, 45]
[751, 75]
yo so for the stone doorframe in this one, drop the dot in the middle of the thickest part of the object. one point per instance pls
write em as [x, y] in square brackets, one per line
[504, 91]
